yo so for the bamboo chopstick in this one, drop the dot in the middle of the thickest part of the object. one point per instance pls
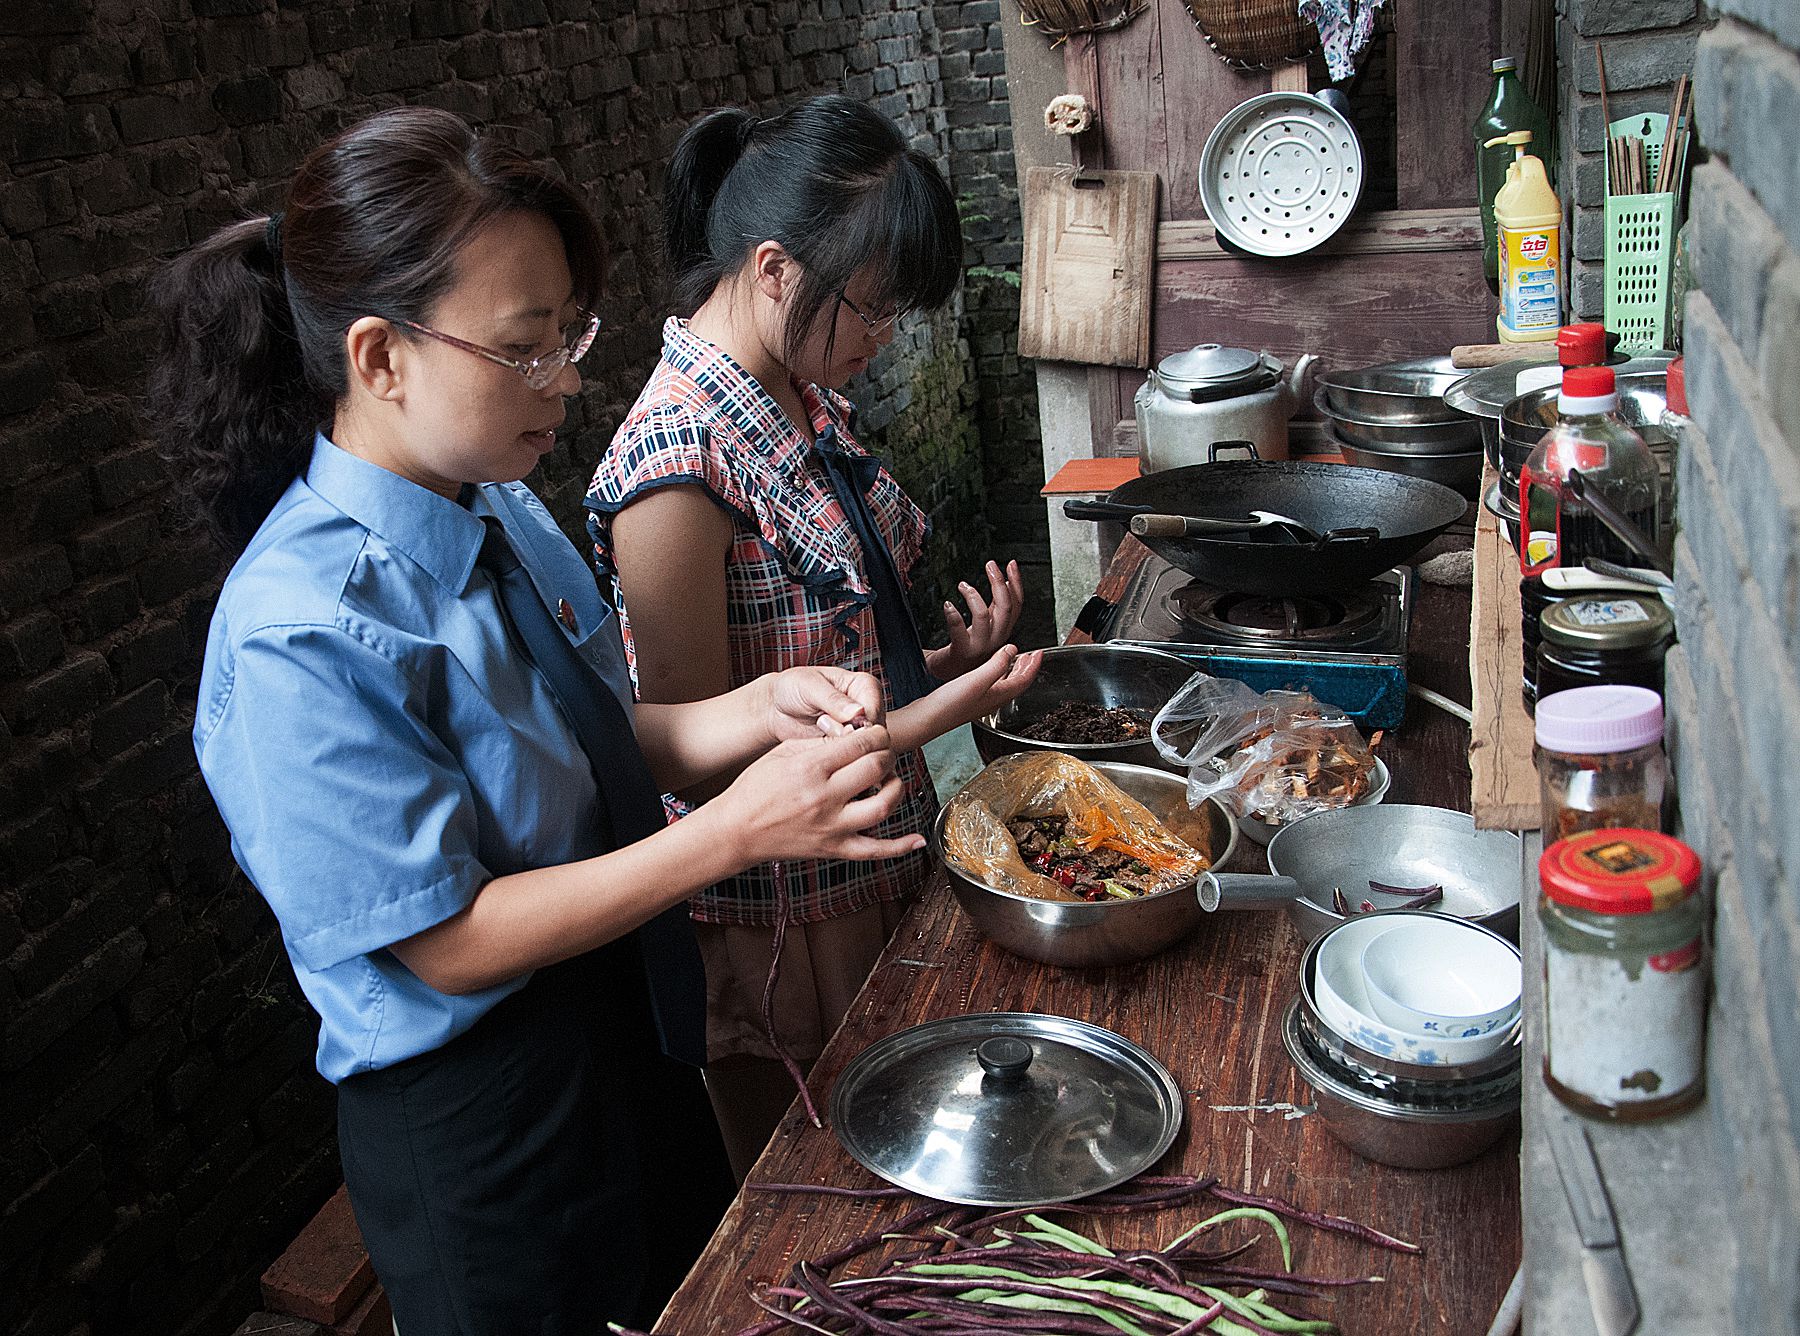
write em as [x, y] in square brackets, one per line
[1606, 113]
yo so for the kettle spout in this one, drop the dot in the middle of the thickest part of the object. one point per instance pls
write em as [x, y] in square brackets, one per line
[1295, 384]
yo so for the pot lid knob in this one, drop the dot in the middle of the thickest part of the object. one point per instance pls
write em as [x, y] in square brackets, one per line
[1210, 363]
[1003, 1057]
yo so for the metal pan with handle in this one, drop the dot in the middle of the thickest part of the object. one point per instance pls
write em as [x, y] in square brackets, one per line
[1367, 521]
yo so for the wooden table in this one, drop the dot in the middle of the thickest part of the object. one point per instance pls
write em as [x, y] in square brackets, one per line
[1210, 1009]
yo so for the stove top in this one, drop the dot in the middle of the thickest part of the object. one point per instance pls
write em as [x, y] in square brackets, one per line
[1348, 649]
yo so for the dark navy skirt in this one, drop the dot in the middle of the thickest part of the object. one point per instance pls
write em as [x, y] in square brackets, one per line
[547, 1172]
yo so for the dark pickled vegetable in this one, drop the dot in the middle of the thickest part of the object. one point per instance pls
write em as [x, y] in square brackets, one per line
[1083, 722]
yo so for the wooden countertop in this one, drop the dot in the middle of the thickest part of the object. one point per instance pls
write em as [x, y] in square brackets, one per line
[1210, 1009]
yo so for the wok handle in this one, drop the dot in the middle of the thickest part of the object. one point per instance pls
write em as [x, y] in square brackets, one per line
[1217, 448]
[1244, 890]
[1102, 510]
[1351, 537]
[1189, 526]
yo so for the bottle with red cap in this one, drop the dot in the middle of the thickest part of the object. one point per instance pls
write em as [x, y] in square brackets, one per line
[1589, 437]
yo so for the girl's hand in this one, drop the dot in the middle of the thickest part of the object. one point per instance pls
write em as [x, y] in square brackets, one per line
[980, 691]
[805, 702]
[813, 799]
[985, 628]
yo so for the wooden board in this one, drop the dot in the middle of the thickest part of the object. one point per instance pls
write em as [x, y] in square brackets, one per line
[1503, 780]
[1210, 1009]
[1440, 53]
[1090, 245]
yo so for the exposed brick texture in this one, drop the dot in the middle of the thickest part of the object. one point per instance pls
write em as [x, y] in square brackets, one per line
[1734, 684]
[1649, 44]
[164, 1139]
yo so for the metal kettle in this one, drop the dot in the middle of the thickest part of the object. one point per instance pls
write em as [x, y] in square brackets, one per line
[1212, 393]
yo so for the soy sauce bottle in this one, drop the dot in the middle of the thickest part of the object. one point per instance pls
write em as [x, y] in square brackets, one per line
[1558, 530]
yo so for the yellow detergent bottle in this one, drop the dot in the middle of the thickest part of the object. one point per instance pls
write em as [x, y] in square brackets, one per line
[1528, 221]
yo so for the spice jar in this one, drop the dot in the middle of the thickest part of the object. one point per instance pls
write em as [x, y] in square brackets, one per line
[1624, 974]
[1592, 639]
[1600, 760]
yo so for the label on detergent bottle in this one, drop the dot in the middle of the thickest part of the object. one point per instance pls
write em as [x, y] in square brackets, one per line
[1529, 285]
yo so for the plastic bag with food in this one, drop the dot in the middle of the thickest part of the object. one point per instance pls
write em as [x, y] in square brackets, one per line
[1051, 827]
[1293, 757]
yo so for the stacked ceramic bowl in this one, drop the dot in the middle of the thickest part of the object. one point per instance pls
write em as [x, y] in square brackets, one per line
[1394, 417]
[1407, 1031]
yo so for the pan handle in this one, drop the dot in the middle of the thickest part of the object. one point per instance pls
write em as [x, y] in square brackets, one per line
[1244, 890]
[1102, 510]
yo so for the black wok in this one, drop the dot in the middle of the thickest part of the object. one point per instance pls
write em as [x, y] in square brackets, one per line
[1370, 521]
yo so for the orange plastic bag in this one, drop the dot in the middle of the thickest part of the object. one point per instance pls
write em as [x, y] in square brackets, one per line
[1049, 784]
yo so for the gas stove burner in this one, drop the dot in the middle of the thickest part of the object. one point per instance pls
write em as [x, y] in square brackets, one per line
[1260, 619]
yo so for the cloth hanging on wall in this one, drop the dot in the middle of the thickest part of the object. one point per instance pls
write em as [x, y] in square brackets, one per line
[1345, 27]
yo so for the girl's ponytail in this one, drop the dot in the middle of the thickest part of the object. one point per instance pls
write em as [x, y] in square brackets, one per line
[703, 159]
[229, 396]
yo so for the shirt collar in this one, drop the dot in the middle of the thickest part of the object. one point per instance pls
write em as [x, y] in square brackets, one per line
[443, 537]
[763, 423]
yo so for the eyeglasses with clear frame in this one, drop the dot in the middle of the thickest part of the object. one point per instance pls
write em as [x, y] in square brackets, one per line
[877, 326]
[539, 372]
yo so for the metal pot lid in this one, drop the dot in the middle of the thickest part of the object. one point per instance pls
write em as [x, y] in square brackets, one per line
[1006, 1109]
[1487, 391]
[1210, 365]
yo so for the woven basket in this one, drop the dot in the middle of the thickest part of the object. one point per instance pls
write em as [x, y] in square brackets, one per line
[1253, 34]
[1062, 19]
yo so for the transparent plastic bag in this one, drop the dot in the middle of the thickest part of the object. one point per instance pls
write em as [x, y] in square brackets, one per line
[1098, 813]
[1293, 756]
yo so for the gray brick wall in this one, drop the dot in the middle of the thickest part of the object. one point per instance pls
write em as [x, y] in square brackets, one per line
[1734, 692]
[1649, 44]
[163, 1135]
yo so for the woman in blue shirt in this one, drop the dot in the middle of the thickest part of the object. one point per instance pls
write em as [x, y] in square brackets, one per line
[415, 719]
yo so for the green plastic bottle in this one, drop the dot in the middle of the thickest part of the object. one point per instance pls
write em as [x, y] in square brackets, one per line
[1509, 108]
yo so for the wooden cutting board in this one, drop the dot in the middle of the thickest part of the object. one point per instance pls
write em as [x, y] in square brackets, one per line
[1090, 255]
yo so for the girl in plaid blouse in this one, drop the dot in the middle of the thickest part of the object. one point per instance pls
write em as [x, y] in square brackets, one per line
[744, 530]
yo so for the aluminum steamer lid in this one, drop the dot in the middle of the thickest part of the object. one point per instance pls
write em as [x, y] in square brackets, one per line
[1006, 1109]
[1280, 173]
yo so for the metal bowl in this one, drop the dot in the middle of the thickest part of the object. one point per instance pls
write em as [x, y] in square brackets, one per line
[1461, 472]
[1407, 438]
[1484, 394]
[1082, 934]
[1114, 676]
[1386, 1128]
[1523, 422]
[1401, 844]
[1395, 392]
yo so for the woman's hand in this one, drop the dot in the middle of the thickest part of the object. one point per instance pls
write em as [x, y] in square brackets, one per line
[980, 691]
[813, 799]
[807, 702]
[987, 626]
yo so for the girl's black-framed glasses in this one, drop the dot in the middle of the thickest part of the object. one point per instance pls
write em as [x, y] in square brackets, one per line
[539, 372]
[876, 325]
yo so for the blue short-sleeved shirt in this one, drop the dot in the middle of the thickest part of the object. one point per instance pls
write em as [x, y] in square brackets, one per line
[377, 747]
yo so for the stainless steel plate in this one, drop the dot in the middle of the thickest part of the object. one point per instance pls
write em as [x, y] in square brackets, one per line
[1006, 1109]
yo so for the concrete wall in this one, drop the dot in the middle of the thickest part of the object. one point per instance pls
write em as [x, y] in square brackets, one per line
[162, 1134]
[1734, 688]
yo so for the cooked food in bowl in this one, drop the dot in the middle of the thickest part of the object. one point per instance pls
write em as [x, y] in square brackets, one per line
[1078, 721]
[1048, 826]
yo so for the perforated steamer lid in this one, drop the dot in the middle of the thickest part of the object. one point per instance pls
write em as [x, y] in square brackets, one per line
[1280, 173]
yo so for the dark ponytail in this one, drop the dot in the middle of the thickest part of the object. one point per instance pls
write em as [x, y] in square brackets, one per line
[253, 318]
[834, 182]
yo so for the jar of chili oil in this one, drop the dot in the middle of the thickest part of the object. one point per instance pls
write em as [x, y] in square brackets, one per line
[1624, 974]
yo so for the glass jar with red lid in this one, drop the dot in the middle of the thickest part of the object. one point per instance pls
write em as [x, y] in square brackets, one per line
[1624, 974]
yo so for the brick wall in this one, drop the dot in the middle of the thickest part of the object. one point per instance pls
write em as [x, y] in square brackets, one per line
[1649, 44]
[163, 1135]
[1734, 689]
